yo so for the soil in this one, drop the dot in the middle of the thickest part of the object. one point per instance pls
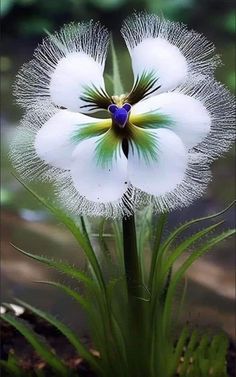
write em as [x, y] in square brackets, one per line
[13, 343]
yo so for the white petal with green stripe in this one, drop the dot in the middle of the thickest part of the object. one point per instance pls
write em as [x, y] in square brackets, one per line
[54, 142]
[158, 56]
[168, 49]
[184, 115]
[162, 174]
[71, 75]
[95, 181]
[63, 64]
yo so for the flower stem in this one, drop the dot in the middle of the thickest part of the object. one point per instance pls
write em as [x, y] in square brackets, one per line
[131, 260]
[134, 283]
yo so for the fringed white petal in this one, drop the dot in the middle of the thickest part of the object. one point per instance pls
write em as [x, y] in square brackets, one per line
[167, 49]
[98, 183]
[164, 172]
[62, 65]
[193, 186]
[188, 117]
[220, 104]
[71, 76]
[77, 204]
[22, 150]
[157, 55]
[53, 142]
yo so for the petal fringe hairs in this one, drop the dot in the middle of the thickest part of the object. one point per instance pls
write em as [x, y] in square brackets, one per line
[52, 86]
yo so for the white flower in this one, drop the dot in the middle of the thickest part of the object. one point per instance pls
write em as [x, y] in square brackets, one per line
[156, 141]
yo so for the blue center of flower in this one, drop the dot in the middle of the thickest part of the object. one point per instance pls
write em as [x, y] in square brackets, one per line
[120, 114]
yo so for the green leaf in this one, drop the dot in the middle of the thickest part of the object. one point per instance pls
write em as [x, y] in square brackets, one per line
[176, 233]
[182, 340]
[75, 230]
[71, 292]
[106, 254]
[38, 344]
[192, 344]
[62, 267]
[117, 84]
[12, 366]
[6, 6]
[118, 241]
[181, 271]
[158, 237]
[184, 246]
[66, 331]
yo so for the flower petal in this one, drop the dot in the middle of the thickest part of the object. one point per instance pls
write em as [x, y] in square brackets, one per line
[71, 76]
[186, 116]
[62, 65]
[161, 175]
[96, 182]
[157, 55]
[167, 49]
[55, 141]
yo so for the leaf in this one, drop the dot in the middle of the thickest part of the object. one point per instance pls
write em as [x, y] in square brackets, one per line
[118, 241]
[71, 292]
[38, 344]
[117, 84]
[185, 226]
[192, 344]
[66, 331]
[180, 272]
[6, 6]
[75, 230]
[185, 245]
[11, 366]
[62, 267]
[102, 242]
[155, 256]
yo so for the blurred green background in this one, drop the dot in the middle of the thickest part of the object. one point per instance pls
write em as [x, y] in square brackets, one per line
[25, 223]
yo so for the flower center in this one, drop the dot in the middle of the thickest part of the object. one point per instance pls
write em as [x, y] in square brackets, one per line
[120, 114]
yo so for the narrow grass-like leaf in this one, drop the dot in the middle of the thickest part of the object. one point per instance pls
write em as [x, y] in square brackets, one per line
[184, 246]
[75, 230]
[38, 344]
[192, 344]
[62, 267]
[103, 245]
[158, 236]
[70, 292]
[180, 272]
[177, 232]
[179, 348]
[11, 366]
[66, 331]
[118, 242]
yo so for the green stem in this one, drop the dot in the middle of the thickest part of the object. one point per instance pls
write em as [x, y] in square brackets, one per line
[131, 261]
[136, 304]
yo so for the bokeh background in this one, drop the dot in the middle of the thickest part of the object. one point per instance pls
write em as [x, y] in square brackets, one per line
[211, 281]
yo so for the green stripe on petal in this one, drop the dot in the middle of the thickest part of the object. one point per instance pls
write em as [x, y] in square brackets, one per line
[144, 142]
[108, 146]
[144, 85]
[151, 120]
[96, 98]
[86, 131]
